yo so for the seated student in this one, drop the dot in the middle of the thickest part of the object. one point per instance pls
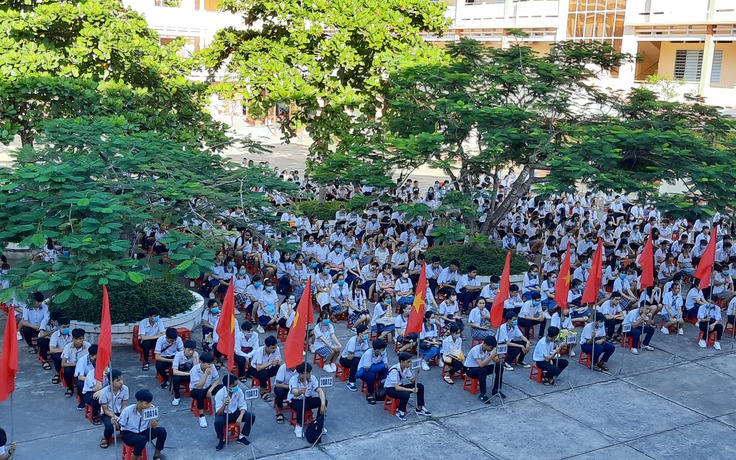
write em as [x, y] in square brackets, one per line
[286, 309]
[546, 356]
[383, 322]
[548, 292]
[449, 310]
[246, 340]
[112, 398]
[166, 348]
[429, 341]
[483, 360]
[267, 315]
[326, 343]
[480, 320]
[514, 302]
[90, 392]
[73, 352]
[612, 310]
[84, 365]
[353, 351]
[531, 283]
[730, 312]
[149, 330]
[136, 431]
[561, 320]
[373, 367]
[33, 317]
[578, 312]
[253, 294]
[468, 288]
[44, 337]
[531, 315]
[407, 341]
[203, 378]
[671, 311]
[281, 389]
[593, 342]
[452, 352]
[264, 364]
[59, 339]
[404, 289]
[401, 383]
[210, 318]
[181, 366]
[490, 290]
[230, 407]
[448, 278]
[694, 299]
[305, 394]
[518, 345]
[641, 321]
[709, 320]
[6, 451]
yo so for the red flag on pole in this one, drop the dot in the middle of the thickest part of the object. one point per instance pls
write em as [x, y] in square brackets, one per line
[226, 327]
[562, 286]
[295, 341]
[9, 357]
[416, 315]
[646, 261]
[595, 278]
[502, 295]
[104, 343]
[705, 266]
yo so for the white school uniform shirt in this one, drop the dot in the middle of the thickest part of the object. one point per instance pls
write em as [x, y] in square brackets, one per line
[210, 318]
[36, 315]
[378, 312]
[452, 346]
[403, 285]
[731, 307]
[547, 286]
[505, 335]
[530, 310]
[632, 317]
[476, 316]
[369, 358]
[557, 322]
[114, 401]
[428, 333]
[488, 292]
[240, 284]
[513, 302]
[543, 349]
[674, 302]
[283, 375]
[90, 381]
[448, 277]
[338, 292]
[131, 420]
[166, 349]
[196, 374]
[180, 358]
[323, 336]
[398, 376]
[433, 272]
[321, 252]
[269, 300]
[146, 328]
[72, 355]
[692, 295]
[84, 365]
[709, 310]
[354, 347]
[466, 281]
[259, 356]
[59, 340]
[587, 333]
[476, 353]
[295, 383]
[237, 400]
[530, 283]
[607, 308]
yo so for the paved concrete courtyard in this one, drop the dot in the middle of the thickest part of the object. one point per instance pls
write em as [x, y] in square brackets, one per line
[655, 409]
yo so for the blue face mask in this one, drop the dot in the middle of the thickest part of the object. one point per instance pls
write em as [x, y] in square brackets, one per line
[536, 304]
[66, 253]
[314, 265]
[383, 353]
[338, 250]
[235, 389]
[366, 337]
[726, 272]
[326, 322]
[156, 319]
[269, 288]
[405, 249]
[600, 325]
[215, 311]
[354, 256]
[242, 272]
[515, 322]
[65, 331]
[257, 285]
[622, 276]
[341, 283]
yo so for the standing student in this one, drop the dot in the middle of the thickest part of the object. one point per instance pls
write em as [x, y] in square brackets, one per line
[546, 356]
[518, 345]
[113, 398]
[373, 367]
[452, 352]
[401, 384]
[265, 362]
[149, 330]
[353, 351]
[305, 394]
[72, 353]
[166, 348]
[709, 320]
[593, 342]
[483, 360]
[136, 431]
[203, 378]
[230, 407]
[184, 361]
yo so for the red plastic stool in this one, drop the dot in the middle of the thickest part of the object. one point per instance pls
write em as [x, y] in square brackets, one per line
[364, 388]
[342, 372]
[470, 384]
[446, 372]
[207, 407]
[128, 453]
[711, 338]
[255, 383]
[627, 341]
[729, 328]
[183, 389]
[184, 333]
[536, 374]
[88, 413]
[391, 404]
[281, 334]
[308, 418]
[475, 342]
[319, 360]
[531, 331]
[585, 359]
[231, 431]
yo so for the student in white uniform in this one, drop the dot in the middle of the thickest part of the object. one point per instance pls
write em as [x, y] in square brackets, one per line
[531, 315]
[671, 312]
[84, 365]
[182, 365]
[353, 351]
[281, 389]
[546, 356]
[230, 407]
[59, 339]
[401, 383]
[373, 367]
[452, 352]
[113, 398]
[480, 320]
[137, 432]
[326, 343]
[709, 320]
[641, 321]
[203, 378]
[518, 345]
[166, 348]
[305, 394]
[264, 364]
[149, 330]
[593, 342]
[483, 360]
[6, 451]
[72, 353]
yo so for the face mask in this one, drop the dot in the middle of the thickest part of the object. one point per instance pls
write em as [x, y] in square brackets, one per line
[292, 301]
[586, 265]
[404, 249]
[269, 288]
[534, 273]
[726, 272]
[495, 285]
[405, 275]
[242, 272]
[600, 324]
[553, 280]
[383, 353]
[327, 271]
[453, 298]
[156, 319]
[338, 250]
[622, 276]
[215, 311]
[65, 331]
[432, 321]
[326, 322]
[232, 264]
[536, 304]
[514, 322]
[235, 389]
[341, 283]
[339, 232]
[314, 265]
[57, 248]
[353, 256]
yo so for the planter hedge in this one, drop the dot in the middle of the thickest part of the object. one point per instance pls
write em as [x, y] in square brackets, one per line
[488, 260]
[128, 303]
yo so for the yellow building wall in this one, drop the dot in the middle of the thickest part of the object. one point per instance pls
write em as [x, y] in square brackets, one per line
[728, 66]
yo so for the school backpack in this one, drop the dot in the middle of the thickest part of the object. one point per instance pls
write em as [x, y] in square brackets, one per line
[313, 433]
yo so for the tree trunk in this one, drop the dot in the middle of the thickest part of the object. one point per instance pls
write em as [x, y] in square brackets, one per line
[519, 188]
[26, 137]
[322, 194]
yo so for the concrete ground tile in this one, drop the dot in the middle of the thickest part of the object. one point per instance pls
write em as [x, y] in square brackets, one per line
[708, 439]
[613, 452]
[723, 363]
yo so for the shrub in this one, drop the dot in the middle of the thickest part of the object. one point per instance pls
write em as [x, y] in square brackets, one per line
[322, 211]
[128, 303]
[488, 260]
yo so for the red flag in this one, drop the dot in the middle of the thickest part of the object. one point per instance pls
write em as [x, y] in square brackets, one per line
[502, 295]
[226, 327]
[104, 343]
[646, 261]
[416, 315]
[705, 266]
[9, 357]
[295, 341]
[562, 286]
[595, 278]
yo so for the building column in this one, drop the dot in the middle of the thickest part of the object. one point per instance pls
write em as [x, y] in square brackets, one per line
[707, 69]
[629, 45]
[563, 18]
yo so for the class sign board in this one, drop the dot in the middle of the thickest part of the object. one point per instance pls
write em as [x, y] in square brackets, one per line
[253, 393]
[326, 382]
[150, 414]
[502, 349]
[416, 363]
[571, 339]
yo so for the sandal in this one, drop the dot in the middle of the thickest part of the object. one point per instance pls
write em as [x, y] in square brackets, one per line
[46, 366]
[280, 418]
[371, 400]
[448, 380]
[32, 350]
[56, 379]
[266, 397]
[145, 366]
[243, 379]
[68, 393]
[96, 421]
[103, 443]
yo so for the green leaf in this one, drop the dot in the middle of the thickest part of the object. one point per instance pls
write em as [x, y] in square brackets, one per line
[135, 277]
[63, 296]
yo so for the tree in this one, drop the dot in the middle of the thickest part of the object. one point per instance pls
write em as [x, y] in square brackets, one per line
[331, 59]
[91, 186]
[90, 58]
[489, 109]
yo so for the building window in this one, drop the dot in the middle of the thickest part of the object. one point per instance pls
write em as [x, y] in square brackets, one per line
[689, 63]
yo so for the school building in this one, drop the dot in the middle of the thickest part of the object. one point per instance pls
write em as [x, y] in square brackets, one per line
[691, 41]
